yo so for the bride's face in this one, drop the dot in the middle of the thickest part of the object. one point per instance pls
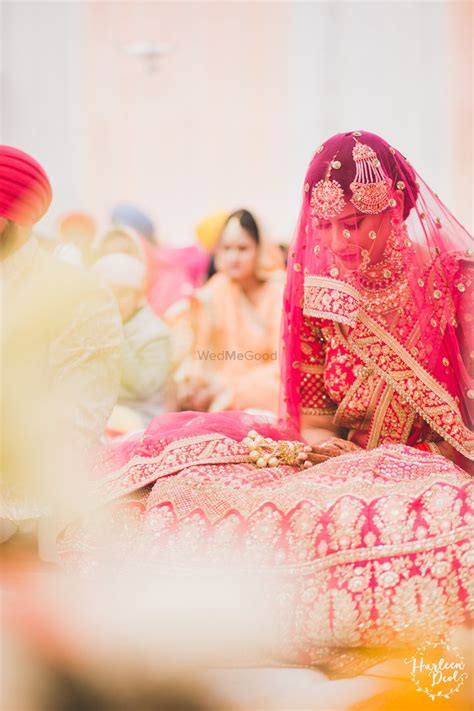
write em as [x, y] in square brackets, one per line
[351, 233]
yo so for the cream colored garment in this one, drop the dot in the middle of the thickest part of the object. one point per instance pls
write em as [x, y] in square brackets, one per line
[146, 363]
[61, 337]
[70, 254]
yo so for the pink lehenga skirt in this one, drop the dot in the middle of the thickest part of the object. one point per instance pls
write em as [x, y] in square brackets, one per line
[372, 548]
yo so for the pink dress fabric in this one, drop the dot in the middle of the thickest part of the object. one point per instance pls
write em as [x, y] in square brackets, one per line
[173, 274]
[372, 548]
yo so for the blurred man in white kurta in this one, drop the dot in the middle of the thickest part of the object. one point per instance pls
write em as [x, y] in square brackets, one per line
[61, 339]
[146, 348]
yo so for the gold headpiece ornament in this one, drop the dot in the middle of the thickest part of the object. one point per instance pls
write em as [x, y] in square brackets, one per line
[327, 196]
[370, 188]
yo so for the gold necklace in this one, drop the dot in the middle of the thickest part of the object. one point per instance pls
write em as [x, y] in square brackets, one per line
[388, 298]
[385, 272]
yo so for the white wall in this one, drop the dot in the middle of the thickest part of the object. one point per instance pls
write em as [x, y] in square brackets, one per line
[41, 87]
[234, 113]
[374, 66]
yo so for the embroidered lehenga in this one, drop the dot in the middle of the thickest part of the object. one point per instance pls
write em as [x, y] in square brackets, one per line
[372, 547]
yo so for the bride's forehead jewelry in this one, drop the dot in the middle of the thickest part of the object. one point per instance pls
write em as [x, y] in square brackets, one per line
[327, 196]
[370, 187]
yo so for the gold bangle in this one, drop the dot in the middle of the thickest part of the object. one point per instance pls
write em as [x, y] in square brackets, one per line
[434, 449]
[267, 452]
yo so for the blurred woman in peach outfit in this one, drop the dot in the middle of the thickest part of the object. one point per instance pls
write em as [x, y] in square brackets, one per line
[230, 327]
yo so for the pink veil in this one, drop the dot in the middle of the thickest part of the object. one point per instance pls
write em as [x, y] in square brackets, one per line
[378, 253]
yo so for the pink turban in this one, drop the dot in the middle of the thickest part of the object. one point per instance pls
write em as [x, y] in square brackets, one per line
[25, 192]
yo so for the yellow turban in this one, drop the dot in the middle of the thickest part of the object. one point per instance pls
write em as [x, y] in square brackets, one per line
[209, 229]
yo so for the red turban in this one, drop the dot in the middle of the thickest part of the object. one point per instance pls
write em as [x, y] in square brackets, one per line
[25, 192]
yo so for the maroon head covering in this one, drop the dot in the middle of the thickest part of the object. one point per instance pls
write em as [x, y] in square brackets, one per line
[25, 192]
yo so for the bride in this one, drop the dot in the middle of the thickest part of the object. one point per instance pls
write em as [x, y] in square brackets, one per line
[359, 496]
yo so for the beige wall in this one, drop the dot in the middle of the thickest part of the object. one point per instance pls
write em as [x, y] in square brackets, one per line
[208, 129]
[233, 114]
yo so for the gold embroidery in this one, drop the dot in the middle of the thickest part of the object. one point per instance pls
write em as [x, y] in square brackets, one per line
[357, 407]
[369, 549]
[333, 300]
[315, 399]
[414, 384]
[141, 470]
[371, 400]
[393, 419]
[316, 369]
[330, 299]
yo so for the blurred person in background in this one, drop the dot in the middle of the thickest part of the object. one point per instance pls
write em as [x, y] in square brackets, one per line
[125, 241]
[146, 348]
[284, 246]
[125, 214]
[120, 240]
[61, 336]
[231, 326]
[173, 273]
[46, 240]
[77, 232]
[207, 231]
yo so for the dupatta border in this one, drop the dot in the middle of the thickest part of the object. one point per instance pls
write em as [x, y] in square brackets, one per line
[141, 470]
[444, 416]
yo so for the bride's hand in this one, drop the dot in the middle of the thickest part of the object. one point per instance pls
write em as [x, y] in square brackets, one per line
[333, 447]
[343, 445]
